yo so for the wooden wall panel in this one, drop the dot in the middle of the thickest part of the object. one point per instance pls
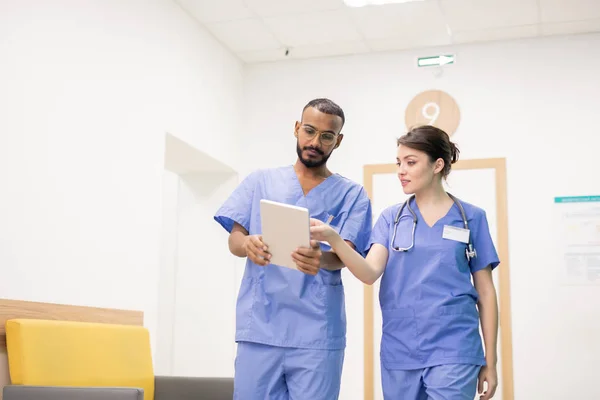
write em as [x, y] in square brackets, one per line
[10, 309]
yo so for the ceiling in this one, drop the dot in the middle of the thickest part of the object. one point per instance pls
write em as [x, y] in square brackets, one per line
[265, 30]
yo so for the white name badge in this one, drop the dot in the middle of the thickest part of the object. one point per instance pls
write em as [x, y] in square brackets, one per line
[457, 234]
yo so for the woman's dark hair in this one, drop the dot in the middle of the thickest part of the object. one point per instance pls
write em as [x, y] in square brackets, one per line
[434, 142]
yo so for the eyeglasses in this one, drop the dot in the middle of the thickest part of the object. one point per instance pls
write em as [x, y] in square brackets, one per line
[326, 138]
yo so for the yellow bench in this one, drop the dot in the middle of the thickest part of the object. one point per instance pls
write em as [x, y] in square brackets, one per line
[64, 354]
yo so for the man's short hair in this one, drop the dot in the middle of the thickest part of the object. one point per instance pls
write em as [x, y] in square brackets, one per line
[326, 106]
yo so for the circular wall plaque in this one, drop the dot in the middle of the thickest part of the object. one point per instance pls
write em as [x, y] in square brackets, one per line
[433, 107]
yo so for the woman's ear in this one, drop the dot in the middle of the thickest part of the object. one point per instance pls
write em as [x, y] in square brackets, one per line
[439, 165]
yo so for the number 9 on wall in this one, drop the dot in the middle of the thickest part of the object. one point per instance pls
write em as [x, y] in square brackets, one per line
[433, 107]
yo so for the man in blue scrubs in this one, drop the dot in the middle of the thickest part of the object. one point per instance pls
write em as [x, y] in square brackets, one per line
[291, 324]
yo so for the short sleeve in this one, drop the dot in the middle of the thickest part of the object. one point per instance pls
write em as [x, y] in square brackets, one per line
[238, 206]
[483, 244]
[381, 230]
[357, 227]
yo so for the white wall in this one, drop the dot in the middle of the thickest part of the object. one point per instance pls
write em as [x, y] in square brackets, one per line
[87, 92]
[198, 285]
[534, 102]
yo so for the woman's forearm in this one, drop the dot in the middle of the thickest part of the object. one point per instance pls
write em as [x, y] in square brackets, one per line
[488, 313]
[360, 268]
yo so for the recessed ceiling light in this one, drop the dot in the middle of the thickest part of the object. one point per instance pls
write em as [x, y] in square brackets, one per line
[362, 3]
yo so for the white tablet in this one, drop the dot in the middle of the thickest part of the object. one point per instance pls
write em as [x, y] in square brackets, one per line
[284, 229]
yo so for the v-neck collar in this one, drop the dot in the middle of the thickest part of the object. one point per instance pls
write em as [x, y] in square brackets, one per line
[420, 216]
[317, 188]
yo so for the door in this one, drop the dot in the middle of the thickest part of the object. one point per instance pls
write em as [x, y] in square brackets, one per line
[480, 182]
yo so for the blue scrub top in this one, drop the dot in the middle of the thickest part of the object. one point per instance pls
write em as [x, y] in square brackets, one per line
[283, 307]
[427, 298]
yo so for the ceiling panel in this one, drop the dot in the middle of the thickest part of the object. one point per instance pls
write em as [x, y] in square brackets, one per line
[328, 50]
[407, 42]
[488, 35]
[244, 35]
[272, 8]
[216, 11]
[468, 15]
[573, 27]
[314, 28]
[395, 20]
[569, 10]
[262, 30]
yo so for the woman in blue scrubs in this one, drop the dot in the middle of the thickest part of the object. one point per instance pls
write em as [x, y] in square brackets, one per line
[436, 283]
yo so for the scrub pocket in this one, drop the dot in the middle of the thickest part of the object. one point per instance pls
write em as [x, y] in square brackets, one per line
[399, 339]
[331, 297]
[336, 221]
[458, 331]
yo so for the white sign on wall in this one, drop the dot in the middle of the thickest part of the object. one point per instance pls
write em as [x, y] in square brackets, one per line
[578, 238]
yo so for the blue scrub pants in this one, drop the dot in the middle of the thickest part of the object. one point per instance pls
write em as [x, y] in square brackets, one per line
[280, 373]
[444, 382]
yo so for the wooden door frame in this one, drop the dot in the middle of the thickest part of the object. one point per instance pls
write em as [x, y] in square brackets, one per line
[506, 356]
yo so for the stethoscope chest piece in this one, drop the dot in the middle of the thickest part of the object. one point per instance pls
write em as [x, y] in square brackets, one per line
[470, 252]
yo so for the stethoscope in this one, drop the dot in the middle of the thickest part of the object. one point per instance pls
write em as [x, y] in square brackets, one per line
[470, 251]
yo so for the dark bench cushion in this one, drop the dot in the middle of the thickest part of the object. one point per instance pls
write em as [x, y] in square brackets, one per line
[18, 392]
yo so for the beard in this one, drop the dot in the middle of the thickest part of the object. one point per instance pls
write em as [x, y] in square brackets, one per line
[310, 163]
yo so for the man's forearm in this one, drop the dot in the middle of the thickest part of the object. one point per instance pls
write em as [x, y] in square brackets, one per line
[236, 243]
[330, 261]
